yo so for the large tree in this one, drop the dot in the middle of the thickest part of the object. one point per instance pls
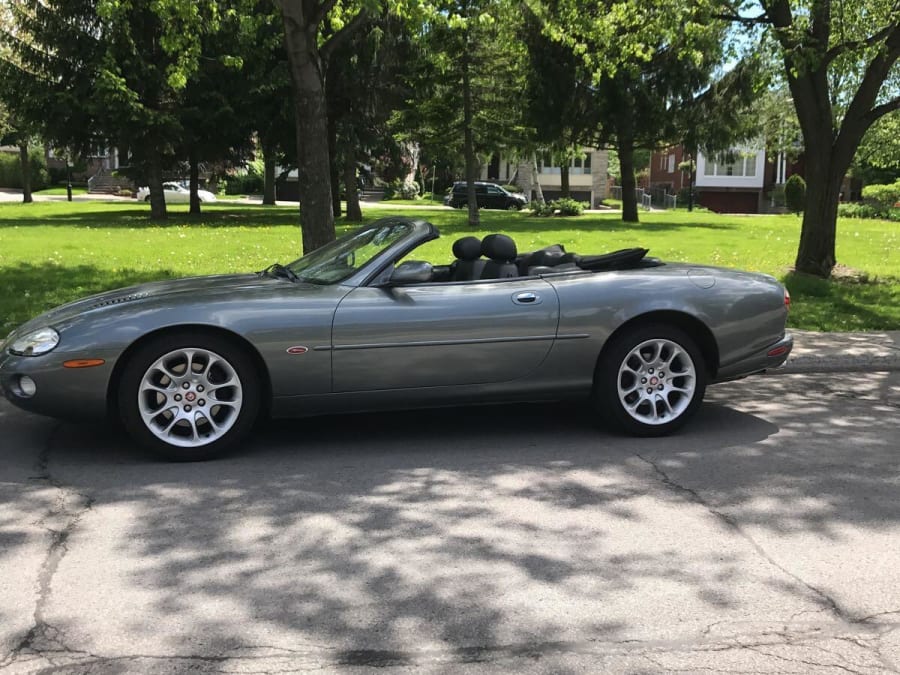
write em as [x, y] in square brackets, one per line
[92, 72]
[365, 86]
[840, 60]
[649, 62]
[468, 82]
[312, 30]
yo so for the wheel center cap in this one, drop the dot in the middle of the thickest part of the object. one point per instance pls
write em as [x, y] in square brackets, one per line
[653, 380]
[190, 396]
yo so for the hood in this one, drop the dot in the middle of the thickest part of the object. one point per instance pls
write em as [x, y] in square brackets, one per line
[207, 288]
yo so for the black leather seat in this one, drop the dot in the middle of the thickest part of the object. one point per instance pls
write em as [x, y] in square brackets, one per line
[468, 265]
[501, 253]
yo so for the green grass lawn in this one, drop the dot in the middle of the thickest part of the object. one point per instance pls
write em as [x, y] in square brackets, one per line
[54, 252]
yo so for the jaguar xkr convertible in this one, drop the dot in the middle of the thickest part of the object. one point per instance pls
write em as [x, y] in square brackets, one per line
[188, 366]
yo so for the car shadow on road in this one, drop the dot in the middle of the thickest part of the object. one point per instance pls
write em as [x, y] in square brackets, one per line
[485, 531]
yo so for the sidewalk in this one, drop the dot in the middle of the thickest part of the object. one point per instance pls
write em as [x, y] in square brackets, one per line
[11, 195]
[843, 352]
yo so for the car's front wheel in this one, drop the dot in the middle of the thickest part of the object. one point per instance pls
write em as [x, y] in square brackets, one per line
[650, 381]
[189, 397]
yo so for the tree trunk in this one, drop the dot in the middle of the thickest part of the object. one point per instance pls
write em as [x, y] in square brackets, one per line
[194, 182]
[829, 146]
[154, 183]
[538, 189]
[313, 162]
[333, 169]
[354, 212]
[564, 189]
[471, 160]
[629, 185]
[824, 176]
[268, 175]
[25, 162]
[691, 182]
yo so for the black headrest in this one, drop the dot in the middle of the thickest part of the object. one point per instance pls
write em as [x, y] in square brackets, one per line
[467, 248]
[499, 247]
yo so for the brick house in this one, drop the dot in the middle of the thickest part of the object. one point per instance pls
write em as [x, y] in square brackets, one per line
[741, 181]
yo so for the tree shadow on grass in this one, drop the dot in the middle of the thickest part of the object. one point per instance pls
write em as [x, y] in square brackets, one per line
[843, 305]
[136, 218]
[32, 289]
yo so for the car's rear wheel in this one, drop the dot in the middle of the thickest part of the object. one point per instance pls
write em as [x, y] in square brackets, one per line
[147, 198]
[189, 397]
[650, 381]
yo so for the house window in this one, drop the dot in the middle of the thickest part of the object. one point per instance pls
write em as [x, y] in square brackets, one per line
[740, 165]
[587, 162]
[672, 163]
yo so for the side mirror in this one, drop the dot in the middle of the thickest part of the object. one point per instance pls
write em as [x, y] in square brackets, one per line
[412, 272]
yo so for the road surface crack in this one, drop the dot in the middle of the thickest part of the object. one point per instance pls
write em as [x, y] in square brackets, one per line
[44, 639]
[821, 597]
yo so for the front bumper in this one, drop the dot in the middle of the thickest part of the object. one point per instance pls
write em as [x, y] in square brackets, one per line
[68, 393]
[771, 357]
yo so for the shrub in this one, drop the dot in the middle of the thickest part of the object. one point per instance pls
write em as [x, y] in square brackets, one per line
[857, 210]
[569, 207]
[542, 208]
[11, 170]
[397, 189]
[565, 206]
[244, 184]
[882, 197]
[795, 194]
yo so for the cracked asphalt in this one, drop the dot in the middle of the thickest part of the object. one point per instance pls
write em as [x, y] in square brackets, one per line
[761, 539]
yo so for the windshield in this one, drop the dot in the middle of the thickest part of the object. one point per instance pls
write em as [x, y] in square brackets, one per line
[342, 258]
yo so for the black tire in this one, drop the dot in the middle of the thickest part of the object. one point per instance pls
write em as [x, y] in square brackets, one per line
[235, 365]
[635, 409]
[147, 198]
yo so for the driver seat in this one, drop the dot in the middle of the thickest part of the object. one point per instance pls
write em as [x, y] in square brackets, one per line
[501, 251]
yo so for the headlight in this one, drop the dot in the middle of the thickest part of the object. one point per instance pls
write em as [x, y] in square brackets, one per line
[35, 343]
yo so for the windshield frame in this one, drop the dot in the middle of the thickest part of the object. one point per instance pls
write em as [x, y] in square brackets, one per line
[419, 231]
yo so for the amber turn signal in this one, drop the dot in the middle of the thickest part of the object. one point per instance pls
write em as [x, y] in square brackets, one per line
[83, 363]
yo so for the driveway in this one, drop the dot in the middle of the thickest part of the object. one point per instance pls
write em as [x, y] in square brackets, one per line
[763, 538]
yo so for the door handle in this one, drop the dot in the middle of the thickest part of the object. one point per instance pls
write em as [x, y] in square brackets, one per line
[527, 298]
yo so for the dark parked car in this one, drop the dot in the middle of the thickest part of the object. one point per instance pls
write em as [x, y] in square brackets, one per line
[489, 196]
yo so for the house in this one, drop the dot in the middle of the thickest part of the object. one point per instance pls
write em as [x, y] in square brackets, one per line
[742, 180]
[587, 175]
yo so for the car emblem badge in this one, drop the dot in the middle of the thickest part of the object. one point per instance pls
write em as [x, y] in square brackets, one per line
[297, 350]
[190, 396]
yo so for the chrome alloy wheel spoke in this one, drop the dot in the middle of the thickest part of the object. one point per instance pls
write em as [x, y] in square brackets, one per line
[190, 397]
[662, 387]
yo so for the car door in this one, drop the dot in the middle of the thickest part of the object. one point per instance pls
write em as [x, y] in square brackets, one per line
[442, 334]
[496, 198]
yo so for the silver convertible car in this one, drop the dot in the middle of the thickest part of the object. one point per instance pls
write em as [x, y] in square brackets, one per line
[189, 365]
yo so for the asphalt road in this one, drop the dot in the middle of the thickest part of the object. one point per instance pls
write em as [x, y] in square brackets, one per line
[764, 538]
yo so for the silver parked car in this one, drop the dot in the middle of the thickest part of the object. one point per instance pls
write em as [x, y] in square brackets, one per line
[175, 193]
[189, 365]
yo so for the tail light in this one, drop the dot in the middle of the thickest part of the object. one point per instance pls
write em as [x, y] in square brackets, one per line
[787, 300]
